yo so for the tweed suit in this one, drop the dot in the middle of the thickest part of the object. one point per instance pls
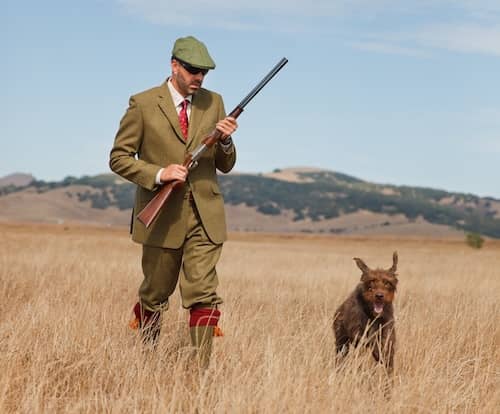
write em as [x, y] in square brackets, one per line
[149, 138]
[150, 128]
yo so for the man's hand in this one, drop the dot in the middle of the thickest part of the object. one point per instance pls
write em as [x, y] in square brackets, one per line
[174, 172]
[227, 126]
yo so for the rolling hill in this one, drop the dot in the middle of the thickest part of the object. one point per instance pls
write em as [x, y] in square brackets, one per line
[289, 200]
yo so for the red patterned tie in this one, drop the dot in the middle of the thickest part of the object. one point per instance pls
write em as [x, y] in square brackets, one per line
[183, 118]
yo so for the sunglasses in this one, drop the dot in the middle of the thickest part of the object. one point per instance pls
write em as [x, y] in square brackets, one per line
[191, 69]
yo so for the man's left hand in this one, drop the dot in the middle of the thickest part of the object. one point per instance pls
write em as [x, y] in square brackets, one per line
[227, 126]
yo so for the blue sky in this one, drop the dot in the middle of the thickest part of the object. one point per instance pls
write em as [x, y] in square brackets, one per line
[391, 91]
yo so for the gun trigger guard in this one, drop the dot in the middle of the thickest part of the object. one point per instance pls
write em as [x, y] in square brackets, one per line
[193, 164]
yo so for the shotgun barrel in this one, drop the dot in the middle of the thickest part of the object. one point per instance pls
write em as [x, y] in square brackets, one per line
[147, 215]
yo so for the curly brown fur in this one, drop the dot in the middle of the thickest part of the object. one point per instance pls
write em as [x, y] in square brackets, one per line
[369, 311]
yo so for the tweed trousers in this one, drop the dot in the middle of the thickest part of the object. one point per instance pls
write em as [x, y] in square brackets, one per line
[197, 258]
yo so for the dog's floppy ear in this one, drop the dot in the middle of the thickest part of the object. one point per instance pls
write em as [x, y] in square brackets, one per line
[394, 263]
[364, 268]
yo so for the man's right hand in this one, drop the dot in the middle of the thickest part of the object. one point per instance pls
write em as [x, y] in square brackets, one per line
[174, 172]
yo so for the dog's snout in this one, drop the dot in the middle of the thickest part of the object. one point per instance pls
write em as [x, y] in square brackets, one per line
[379, 296]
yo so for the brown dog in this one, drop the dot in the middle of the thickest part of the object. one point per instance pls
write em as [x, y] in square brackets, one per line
[369, 311]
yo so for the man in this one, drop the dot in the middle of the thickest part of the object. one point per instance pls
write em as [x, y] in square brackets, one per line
[158, 129]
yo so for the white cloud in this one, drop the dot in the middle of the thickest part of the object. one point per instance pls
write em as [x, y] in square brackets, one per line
[465, 26]
[466, 38]
[488, 117]
[235, 13]
[170, 11]
[422, 41]
[385, 47]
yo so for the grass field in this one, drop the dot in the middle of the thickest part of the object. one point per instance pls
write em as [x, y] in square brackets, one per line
[67, 292]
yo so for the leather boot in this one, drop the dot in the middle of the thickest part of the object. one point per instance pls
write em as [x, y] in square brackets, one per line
[201, 338]
[202, 324]
[148, 323]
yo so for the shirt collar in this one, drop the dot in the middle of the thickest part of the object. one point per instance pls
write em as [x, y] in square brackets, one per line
[176, 96]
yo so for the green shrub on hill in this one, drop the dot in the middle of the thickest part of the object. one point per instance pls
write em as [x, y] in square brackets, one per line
[474, 240]
[322, 195]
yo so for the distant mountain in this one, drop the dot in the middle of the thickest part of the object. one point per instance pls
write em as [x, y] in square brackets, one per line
[16, 180]
[288, 200]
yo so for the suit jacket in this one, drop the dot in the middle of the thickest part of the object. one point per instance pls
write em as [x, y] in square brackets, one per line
[149, 138]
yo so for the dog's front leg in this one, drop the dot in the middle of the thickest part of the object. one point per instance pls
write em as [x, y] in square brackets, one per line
[375, 341]
[382, 343]
[389, 338]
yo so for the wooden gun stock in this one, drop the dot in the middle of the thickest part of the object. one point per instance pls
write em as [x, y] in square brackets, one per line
[147, 215]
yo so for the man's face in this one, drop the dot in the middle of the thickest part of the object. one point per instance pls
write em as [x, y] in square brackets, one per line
[185, 82]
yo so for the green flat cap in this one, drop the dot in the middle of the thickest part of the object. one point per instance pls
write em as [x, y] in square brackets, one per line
[192, 51]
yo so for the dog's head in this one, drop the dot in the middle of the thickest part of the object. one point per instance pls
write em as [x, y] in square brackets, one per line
[379, 285]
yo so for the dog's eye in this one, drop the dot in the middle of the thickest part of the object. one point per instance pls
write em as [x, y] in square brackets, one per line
[370, 289]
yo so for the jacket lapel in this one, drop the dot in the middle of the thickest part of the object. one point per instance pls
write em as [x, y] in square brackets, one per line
[166, 105]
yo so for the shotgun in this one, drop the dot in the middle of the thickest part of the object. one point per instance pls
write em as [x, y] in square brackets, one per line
[147, 215]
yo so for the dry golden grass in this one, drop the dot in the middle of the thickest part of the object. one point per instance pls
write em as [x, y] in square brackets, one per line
[65, 346]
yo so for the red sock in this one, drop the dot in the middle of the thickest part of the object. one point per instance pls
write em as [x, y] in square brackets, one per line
[204, 317]
[143, 316]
